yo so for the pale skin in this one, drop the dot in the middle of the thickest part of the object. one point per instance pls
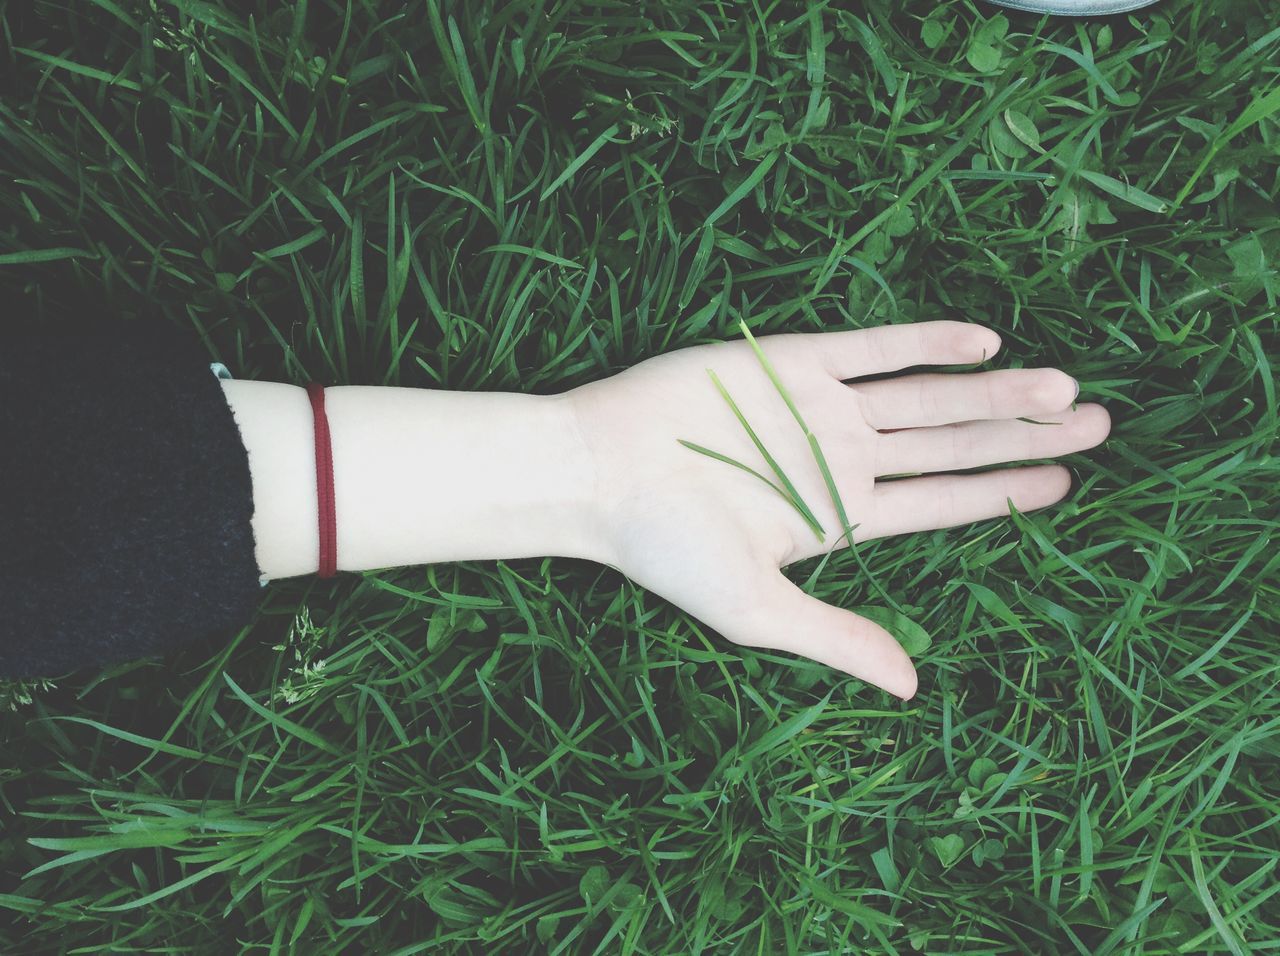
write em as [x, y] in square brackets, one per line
[596, 472]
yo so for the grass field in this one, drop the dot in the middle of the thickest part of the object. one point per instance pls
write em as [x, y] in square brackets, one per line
[536, 755]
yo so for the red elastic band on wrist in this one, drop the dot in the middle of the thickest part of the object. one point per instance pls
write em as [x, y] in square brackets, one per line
[324, 484]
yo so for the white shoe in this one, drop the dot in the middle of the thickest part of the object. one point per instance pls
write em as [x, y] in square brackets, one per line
[1075, 8]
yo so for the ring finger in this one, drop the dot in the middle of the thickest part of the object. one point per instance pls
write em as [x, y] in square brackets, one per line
[918, 401]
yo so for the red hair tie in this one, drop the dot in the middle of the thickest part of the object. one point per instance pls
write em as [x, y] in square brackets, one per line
[324, 484]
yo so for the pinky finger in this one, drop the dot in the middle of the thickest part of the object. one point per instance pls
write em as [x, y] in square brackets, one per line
[945, 501]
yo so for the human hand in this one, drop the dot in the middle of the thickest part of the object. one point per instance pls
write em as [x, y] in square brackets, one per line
[713, 539]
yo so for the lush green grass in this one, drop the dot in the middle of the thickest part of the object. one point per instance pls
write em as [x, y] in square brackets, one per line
[535, 754]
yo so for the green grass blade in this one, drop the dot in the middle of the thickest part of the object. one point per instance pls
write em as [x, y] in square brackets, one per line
[813, 440]
[777, 469]
[817, 528]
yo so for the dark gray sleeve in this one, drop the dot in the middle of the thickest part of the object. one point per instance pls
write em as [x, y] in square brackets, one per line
[125, 497]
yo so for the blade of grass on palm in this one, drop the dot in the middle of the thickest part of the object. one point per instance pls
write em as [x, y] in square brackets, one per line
[777, 469]
[817, 529]
[813, 441]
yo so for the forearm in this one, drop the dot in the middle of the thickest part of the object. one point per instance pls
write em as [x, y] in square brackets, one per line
[420, 476]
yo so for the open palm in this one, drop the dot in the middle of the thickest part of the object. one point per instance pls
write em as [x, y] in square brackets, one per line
[713, 539]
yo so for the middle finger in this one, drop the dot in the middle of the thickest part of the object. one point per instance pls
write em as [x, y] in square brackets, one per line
[978, 443]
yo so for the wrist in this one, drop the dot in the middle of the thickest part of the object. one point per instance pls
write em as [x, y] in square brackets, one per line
[586, 532]
[427, 475]
[420, 476]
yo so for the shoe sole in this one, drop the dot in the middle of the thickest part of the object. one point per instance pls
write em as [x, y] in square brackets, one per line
[1075, 8]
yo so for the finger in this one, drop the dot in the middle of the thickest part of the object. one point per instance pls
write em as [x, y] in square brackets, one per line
[975, 444]
[918, 401]
[945, 501]
[784, 617]
[888, 348]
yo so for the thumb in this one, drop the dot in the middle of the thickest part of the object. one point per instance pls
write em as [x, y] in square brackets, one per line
[784, 617]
